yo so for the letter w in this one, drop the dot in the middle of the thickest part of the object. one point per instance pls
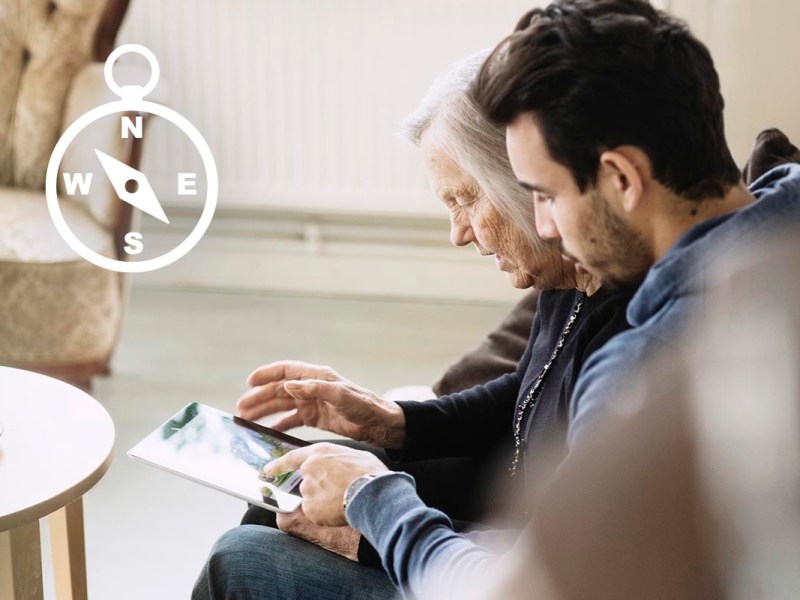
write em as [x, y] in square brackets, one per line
[73, 181]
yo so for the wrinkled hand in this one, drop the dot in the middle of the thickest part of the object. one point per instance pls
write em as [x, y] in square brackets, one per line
[327, 470]
[320, 397]
[341, 540]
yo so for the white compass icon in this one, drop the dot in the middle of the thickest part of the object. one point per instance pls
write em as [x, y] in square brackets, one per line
[129, 184]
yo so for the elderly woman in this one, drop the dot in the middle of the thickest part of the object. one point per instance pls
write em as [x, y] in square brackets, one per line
[465, 159]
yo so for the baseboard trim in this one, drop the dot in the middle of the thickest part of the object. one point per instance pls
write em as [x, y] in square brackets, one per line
[302, 253]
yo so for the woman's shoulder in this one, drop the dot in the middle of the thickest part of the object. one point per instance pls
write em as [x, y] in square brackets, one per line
[558, 300]
[604, 303]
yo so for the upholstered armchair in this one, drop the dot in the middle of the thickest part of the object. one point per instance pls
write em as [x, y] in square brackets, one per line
[59, 314]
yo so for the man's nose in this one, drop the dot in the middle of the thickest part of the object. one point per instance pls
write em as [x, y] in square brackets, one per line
[545, 224]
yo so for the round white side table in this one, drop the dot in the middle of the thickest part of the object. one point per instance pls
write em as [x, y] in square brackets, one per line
[57, 443]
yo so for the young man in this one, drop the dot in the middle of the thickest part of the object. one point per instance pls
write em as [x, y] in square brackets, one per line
[614, 122]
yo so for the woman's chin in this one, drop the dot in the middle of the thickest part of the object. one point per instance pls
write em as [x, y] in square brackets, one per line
[521, 281]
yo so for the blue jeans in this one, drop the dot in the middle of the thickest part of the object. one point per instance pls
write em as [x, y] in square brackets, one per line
[252, 562]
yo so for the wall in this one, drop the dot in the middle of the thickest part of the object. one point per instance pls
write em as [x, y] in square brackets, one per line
[757, 54]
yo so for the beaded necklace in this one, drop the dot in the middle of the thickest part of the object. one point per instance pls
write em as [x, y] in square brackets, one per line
[536, 388]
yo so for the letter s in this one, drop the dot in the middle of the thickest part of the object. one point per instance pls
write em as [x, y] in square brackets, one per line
[134, 241]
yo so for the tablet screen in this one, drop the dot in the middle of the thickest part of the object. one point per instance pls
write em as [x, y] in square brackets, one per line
[225, 452]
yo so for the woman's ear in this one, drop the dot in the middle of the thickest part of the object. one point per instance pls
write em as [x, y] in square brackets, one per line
[622, 172]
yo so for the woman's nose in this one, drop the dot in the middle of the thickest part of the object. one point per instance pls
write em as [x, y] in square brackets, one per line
[460, 232]
[545, 225]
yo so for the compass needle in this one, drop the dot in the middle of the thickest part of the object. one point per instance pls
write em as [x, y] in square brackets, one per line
[124, 178]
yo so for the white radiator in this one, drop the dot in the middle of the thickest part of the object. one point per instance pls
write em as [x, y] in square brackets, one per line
[300, 99]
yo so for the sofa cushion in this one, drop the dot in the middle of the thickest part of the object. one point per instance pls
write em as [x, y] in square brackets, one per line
[27, 233]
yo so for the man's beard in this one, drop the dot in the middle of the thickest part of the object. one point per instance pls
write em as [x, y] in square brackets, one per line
[615, 251]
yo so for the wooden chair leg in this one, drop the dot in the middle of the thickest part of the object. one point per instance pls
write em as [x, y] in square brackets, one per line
[69, 551]
[21, 563]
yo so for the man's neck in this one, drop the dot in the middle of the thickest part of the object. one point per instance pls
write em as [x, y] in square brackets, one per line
[689, 213]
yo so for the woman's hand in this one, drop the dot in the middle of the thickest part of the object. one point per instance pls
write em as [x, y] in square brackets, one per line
[341, 540]
[320, 397]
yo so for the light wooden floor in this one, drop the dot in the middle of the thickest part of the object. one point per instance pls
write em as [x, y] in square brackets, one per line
[147, 532]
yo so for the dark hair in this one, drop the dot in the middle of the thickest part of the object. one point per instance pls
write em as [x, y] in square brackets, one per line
[598, 74]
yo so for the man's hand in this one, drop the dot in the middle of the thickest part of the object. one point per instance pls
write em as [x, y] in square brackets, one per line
[341, 540]
[320, 397]
[327, 470]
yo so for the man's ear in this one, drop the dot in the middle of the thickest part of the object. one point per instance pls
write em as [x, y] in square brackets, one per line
[623, 171]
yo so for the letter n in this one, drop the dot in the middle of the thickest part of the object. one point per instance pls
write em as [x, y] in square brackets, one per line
[128, 126]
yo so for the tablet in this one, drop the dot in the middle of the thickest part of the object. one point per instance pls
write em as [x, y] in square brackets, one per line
[224, 452]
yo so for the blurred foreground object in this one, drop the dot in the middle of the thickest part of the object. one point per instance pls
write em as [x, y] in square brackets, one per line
[59, 314]
[692, 489]
[746, 409]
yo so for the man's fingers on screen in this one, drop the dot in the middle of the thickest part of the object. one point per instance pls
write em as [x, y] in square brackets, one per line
[291, 461]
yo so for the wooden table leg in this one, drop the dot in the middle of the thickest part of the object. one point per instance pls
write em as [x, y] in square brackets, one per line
[21, 563]
[69, 552]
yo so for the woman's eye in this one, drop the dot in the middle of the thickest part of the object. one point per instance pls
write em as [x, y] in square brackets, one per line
[464, 200]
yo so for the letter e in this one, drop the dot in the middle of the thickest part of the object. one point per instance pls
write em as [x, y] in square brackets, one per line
[187, 183]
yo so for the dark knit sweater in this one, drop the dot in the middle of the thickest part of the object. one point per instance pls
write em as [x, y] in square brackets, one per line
[477, 420]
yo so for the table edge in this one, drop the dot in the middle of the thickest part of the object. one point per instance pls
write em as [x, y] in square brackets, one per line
[38, 511]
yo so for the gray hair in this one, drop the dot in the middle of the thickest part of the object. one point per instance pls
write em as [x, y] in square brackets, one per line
[474, 142]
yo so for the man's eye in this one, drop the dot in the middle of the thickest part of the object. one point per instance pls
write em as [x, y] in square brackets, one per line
[539, 197]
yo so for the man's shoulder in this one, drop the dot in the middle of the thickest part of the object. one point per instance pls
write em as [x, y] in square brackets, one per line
[620, 354]
[778, 198]
[609, 370]
[626, 350]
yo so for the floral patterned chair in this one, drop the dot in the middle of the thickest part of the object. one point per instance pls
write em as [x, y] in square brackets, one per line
[59, 314]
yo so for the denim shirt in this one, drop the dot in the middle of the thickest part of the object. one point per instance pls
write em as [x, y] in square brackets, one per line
[673, 290]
